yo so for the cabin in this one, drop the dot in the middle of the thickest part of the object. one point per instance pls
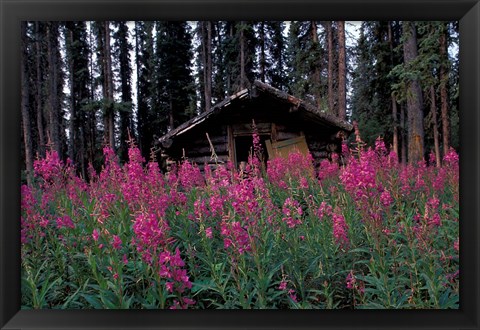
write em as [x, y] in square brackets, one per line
[282, 121]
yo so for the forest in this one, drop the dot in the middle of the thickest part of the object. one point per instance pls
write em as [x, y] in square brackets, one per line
[86, 85]
[374, 226]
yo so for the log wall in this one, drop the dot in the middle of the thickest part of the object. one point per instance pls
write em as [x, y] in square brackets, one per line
[194, 145]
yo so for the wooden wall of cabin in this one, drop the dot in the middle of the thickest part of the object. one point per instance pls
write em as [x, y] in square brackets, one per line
[270, 120]
[194, 145]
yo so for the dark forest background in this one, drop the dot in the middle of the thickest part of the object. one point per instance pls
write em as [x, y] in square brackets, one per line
[90, 84]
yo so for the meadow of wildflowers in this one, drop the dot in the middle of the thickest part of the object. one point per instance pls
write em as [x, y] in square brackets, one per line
[368, 233]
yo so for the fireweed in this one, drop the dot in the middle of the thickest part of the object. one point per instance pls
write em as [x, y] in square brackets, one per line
[359, 231]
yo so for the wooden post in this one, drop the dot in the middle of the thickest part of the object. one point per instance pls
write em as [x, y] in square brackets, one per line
[231, 144]
[273, 134]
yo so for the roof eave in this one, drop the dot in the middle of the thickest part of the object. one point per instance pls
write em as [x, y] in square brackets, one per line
[299, 105]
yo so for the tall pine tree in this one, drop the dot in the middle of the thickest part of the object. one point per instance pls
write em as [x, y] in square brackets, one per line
[122, 48]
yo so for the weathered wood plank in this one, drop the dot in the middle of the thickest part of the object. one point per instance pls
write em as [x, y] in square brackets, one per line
[216, 139]
[273, 134]
[207, 159]
[205, 150]
[231, 144]
[270, 153]
[247, 129]
[282, 135]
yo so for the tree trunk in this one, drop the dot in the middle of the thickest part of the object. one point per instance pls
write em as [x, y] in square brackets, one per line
[395, 125]
[208, 87]
[109, 79]
[207, 62]
[262, 52]
[138, 72]
[342, 70]
[242, 57]
[444, 92]
[170, 114]
[316, 73]
[38, 95]
[331, 97]
[394, 101]
[203, 43]
[73, 121]
[433, 110]
[91, 135]
[27, 131]
[414, 98]
[54, 113]
[403, 135]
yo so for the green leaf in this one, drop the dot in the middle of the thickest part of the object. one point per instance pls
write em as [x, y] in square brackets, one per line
[74, 295]
[93, 301]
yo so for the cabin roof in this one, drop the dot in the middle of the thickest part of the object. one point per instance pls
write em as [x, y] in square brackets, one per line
[304, 108]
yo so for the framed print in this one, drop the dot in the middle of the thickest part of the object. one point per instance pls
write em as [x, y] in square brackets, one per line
[241, 164]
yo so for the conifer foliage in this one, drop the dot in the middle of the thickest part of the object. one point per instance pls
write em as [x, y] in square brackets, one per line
[86, 85]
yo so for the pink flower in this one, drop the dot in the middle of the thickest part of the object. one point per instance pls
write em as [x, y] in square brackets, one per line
[208, 232]
[292, 295]
[327, 170]
[350, 281]
[283, 285]
[386, 199]
[169, 286]
[324, 209]
[380, 146]
[303, 183]
[451, 158]
[188, 301]
[431, 215]
[293, 212]
[456, 245]
[43, 222]
[189, 175]
[95, 235]
[65, 222]
[340, 230]
[117, 242]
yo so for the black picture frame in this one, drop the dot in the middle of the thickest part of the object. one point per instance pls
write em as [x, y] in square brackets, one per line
[14, 11]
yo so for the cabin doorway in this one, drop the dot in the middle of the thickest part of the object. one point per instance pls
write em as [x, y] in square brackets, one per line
[244, 147]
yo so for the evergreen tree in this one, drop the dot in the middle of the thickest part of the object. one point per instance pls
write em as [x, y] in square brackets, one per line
[413, 95]
[342, 71]
[271, 53]
[54, 82]
[429, 66]
[296, 64]
[102, 30]
[306, 60]
[219, 65]
[145, 70]
[330, 77]
[25, 104]
[236, 62]
[204, 32]
[122, 48]
[40, 74]
[372, 102]
[77, 51]
[174, 80]
[363, 98]
[444, 77]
